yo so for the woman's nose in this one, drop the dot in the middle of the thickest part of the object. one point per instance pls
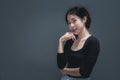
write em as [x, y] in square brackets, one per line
[71, 25]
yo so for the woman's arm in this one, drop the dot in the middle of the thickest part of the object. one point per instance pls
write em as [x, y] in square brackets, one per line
[71, 71]
[62, 49]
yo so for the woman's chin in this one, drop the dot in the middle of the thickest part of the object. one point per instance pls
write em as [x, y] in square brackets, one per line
[76, 33]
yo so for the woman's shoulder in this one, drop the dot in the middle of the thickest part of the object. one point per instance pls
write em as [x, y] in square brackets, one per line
[92, 40]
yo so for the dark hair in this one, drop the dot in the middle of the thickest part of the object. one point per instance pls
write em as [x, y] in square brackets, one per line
[80, 12]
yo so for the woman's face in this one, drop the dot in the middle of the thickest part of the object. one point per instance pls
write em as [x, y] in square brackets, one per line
[75, 24]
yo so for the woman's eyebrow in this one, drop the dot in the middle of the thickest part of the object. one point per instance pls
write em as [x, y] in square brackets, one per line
[73, 18]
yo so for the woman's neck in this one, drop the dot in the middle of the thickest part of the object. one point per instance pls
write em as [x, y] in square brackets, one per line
[84, 34]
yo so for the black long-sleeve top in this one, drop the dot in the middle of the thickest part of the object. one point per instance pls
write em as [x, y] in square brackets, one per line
[85, 58]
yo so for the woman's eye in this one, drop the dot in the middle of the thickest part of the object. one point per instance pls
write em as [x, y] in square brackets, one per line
[74, 20]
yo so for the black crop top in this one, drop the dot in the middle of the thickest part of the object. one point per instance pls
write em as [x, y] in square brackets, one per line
[85, 58]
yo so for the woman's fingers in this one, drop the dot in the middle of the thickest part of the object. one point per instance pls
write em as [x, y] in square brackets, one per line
[68, 36]
[73, 37]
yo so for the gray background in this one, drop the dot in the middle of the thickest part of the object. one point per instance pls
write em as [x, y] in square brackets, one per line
[29, 33]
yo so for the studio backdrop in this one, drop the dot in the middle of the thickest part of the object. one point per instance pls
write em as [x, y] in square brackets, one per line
[29, 33]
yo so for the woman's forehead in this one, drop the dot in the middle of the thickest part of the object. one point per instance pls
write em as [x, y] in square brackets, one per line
[72, 16]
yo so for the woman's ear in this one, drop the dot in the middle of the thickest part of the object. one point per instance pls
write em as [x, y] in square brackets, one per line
[84, 19]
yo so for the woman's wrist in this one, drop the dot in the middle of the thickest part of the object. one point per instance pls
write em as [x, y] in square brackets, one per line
[61, 40]
[60, 46]
[65, 71]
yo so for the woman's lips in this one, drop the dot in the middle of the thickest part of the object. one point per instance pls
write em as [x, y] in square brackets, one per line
[74, 31]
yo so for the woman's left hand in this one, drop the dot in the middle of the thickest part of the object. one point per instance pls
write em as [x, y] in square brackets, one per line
[63, 71]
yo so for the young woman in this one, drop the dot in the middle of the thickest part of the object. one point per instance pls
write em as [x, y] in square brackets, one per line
[78, 49]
